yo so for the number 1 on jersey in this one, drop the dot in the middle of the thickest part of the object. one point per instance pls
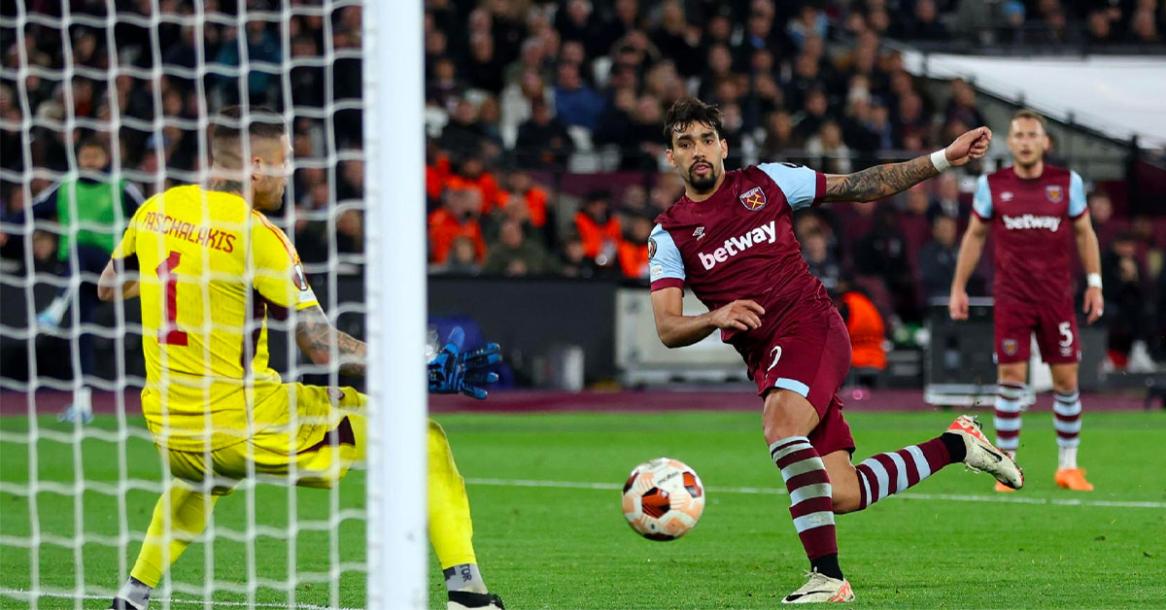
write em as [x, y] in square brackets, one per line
[169, 333]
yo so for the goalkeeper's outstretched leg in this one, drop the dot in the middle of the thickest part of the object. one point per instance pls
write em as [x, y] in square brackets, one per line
[450, 529]
[183, 511]
[180, 515]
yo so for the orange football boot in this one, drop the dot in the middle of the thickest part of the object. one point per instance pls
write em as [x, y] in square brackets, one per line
[1072, 479]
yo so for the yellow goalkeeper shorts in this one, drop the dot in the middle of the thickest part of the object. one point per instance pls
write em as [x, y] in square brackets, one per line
[314, 449]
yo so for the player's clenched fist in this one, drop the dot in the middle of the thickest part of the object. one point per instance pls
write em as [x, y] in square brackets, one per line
[739, 315]
[970, 145]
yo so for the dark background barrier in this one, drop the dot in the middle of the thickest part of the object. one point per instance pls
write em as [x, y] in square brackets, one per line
[532, 319]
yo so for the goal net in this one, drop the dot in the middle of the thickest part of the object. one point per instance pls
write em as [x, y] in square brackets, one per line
[102, 105]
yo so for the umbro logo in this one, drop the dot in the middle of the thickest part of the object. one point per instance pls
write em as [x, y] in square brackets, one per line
[698, 233]
[1006, 196]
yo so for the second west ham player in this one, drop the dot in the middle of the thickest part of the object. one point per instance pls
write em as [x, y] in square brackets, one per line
[730, 240]
[1033, 208]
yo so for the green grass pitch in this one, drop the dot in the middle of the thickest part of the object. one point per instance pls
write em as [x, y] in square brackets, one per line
[545, 543]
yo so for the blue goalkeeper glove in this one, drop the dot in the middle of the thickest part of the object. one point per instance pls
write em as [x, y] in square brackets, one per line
[453, 371]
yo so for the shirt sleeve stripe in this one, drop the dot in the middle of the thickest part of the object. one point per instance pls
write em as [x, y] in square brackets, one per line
[668, 282]
[291, 252]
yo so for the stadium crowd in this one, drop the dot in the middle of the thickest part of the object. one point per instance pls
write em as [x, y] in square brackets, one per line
[545, 149]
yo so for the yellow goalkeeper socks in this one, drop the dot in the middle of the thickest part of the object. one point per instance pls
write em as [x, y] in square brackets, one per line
[450, 529]
[179, 516]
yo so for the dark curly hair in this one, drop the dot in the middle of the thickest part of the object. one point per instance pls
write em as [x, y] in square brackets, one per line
[688, 110]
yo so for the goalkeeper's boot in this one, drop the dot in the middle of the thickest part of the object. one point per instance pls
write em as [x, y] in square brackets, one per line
[462, 600]
[821, 589]
[133, 595]
[983, 456]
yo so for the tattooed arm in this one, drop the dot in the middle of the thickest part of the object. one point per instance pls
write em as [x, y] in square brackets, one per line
[888, 179]
[316, 336]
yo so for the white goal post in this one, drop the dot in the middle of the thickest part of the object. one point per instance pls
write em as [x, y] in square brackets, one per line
[395, 294]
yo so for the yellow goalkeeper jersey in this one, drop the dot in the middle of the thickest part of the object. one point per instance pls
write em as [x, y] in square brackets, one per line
[212, 273]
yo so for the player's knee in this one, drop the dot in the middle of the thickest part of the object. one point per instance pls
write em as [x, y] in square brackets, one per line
[1011, 376]
[785, 415]
[845, 499]
[1065, 387]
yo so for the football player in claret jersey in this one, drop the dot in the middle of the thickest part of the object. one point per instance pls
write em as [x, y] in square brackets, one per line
[211, 272]
[730, 240]
[1037, 213]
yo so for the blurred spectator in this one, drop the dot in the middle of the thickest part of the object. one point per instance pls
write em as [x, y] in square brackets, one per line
[831, 153]
[916, 200]
[533, 59]
[579, 23]
[883, 253]
[633, 249]
[823, 264]
[678, 40]
[462, 258]
[575, 102]
[517, 102]
[543, 141]
[1099, 28]
[458, 217]
[961, 106]
[463, 134]
[946, 201]
[868, 334]
[350, 231]
[809, 121]
[599, 229]
[261, 47]
[523, 200]
[924, 24]
[442, 86]
[1126, 290]
[513, 254]
[779, 136]
[1143, 27]
[574, 262]
[937, 258]
[470, 173]
[484, 67]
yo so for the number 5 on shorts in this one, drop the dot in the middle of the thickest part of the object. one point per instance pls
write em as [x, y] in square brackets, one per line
[1066, 331]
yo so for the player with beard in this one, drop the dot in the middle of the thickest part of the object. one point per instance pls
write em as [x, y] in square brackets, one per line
[1037, 212]
[730, 239]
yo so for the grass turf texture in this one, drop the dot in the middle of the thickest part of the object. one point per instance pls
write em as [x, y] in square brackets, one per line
[561, 547]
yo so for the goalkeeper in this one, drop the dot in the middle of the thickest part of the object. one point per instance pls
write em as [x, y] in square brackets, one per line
[210, 271]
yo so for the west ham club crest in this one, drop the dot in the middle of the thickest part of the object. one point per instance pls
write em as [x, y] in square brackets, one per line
[753, 199]
[1010, 346]
[1054, 193]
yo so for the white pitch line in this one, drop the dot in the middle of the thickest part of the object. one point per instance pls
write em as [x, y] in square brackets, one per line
[25, 595]
[1000, 499]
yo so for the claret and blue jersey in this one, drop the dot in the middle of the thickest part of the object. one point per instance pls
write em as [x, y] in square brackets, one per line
[1031, 222]
[740, 244]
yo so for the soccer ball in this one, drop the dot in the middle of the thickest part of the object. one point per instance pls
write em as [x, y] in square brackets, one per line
[663, 499]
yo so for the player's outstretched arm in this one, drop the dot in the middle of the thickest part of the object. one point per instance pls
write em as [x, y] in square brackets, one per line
[970, 249]
[110, 281]
[316, 336]
[884, 180]
[678, 330]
